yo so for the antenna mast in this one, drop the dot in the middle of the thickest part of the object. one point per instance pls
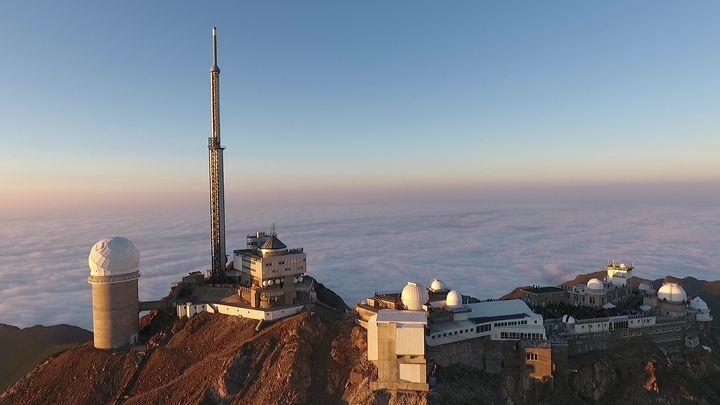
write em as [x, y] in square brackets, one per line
[217, 187]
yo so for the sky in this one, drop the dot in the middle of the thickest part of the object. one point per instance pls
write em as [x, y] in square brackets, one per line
[108, 103]
[491, 144]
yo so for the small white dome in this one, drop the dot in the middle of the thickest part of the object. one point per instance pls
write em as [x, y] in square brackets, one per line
[414, 296]
[437, 285]
[646, 287]
[595, 284]
[672, 292]
[453, 300]
[623, 266]
[113, 256]
[698, 304]
[568, 319]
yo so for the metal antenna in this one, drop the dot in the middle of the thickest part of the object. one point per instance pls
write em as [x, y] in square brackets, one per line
[217, 182]
[215, 67]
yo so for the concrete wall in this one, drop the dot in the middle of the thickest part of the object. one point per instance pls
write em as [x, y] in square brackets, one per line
[662, 332]
[413, 372]
[483, 353]
[115, 314]
[191, 309]
[372, 336]
[410, 340]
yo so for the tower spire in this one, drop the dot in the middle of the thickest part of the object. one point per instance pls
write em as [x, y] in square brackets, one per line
[215, 67]
[217, 187]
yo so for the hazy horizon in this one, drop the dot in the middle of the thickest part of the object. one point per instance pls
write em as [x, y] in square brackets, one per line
[482, 249]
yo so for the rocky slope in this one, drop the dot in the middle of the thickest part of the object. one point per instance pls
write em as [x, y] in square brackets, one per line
[319, 357]
[22, 349]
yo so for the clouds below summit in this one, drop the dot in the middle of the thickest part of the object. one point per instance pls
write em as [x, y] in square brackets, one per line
[482, 250]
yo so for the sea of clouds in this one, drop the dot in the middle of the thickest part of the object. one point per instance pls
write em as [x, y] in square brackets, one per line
[484, 250]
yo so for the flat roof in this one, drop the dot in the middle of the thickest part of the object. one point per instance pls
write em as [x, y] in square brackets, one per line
[444, 326]
[543, 290]
[394, 315]
[502, 308]
[486, 319]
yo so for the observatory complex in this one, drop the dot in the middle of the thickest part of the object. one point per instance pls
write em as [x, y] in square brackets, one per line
[412, 331]
[266, 280]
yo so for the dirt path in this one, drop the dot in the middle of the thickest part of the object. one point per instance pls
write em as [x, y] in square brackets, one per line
[130, 385]
[322, 358]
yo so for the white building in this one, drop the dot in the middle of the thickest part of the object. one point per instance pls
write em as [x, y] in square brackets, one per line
[619, 275]
[496, 320]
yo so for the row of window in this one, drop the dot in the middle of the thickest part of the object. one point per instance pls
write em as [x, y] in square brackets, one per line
[531, 356]
[451, 333]
[511, 323]
[269, 264]
[519, 335]
[478, 329]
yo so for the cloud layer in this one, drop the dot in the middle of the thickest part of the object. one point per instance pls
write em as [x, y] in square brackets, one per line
[483, 250]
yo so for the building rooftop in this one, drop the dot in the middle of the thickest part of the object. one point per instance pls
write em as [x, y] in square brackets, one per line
[489, 309]
[527, 343]
[392, 315]
[542, 290]
[444, 326]
[273, 243]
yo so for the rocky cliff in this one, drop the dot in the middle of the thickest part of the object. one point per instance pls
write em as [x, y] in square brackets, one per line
[318, 357]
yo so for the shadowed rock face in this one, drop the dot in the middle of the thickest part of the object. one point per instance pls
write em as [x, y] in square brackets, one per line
[22, 349]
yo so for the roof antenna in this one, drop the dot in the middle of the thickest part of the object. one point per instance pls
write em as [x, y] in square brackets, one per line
[273, 233]
[215, 67]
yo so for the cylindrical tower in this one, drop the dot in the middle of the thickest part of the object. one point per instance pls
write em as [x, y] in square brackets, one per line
[114, 272]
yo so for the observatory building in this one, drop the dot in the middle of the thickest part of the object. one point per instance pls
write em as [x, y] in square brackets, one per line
[409, 328]
[114, 272]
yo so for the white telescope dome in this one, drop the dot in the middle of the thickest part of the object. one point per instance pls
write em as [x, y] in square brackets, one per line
[568, 319]
[113, 256]
[437, 285]
[623, 266]
[646, 287]
[698, 304]
[595, 284]
[414, 296]
[672, 292]
[453, 300]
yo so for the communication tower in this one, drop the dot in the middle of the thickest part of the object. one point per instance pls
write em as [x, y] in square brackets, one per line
[217, 188]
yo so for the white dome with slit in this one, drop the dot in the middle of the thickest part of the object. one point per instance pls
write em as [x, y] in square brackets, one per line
[453, 300]
[568, 319]
[437, 285]
[113, 256]
[413, 296]
[672, 292]
[595, 284]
